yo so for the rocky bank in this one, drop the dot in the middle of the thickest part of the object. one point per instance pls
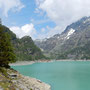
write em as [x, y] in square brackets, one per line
[13, 80]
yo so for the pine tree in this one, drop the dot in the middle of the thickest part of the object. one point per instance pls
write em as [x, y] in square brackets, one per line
[6, 50]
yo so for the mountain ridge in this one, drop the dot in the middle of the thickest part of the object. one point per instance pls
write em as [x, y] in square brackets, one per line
[74, 36]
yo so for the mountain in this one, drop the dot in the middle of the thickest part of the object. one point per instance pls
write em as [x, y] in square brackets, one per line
[73, 43]
[25, 48]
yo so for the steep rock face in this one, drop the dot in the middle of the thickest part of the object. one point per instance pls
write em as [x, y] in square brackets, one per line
[25, 48]
[76, 35]
[47, 44]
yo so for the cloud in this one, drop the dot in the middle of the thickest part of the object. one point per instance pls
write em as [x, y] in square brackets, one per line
[43, 30]
[64, 12]
[10, 5]
[38, 22]
[26, 30]
[48, 32]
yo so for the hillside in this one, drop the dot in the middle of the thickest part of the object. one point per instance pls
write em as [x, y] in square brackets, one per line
[73, 43]
[24, 48]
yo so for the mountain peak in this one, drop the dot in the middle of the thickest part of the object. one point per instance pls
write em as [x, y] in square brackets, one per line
[72, 42]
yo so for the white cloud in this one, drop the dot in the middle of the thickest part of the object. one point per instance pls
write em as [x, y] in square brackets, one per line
[48, 32]
[7, 5]
[53, 31]
[64, 12]
[38, 22]
[26, 30]
[43, 30]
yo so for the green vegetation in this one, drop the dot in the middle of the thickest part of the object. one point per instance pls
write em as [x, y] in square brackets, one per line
[6, 50]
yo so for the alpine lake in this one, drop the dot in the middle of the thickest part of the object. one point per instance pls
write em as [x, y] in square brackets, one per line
[61, 75]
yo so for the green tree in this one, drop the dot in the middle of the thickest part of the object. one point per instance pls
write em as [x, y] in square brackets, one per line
[6, 50]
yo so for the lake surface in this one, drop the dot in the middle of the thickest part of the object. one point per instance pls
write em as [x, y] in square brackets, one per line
[68, 75]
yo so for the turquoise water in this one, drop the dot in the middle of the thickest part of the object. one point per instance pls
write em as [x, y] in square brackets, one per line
[71, 75]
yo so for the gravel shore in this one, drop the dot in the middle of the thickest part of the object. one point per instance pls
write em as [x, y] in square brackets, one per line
[28, 83]
[20, 63]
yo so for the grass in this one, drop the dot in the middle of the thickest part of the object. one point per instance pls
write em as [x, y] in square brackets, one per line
[3, 71]
[5, 85]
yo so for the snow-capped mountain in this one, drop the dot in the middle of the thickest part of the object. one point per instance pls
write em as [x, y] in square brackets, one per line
[71, 43]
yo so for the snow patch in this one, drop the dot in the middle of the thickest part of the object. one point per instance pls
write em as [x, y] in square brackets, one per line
[86, 21]
[71, 31]
[58, 37]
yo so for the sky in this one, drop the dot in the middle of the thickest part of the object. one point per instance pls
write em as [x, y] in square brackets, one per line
[41, 18]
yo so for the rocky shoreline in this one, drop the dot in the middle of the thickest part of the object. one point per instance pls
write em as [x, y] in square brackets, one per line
[28, 83]
[13, 80]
